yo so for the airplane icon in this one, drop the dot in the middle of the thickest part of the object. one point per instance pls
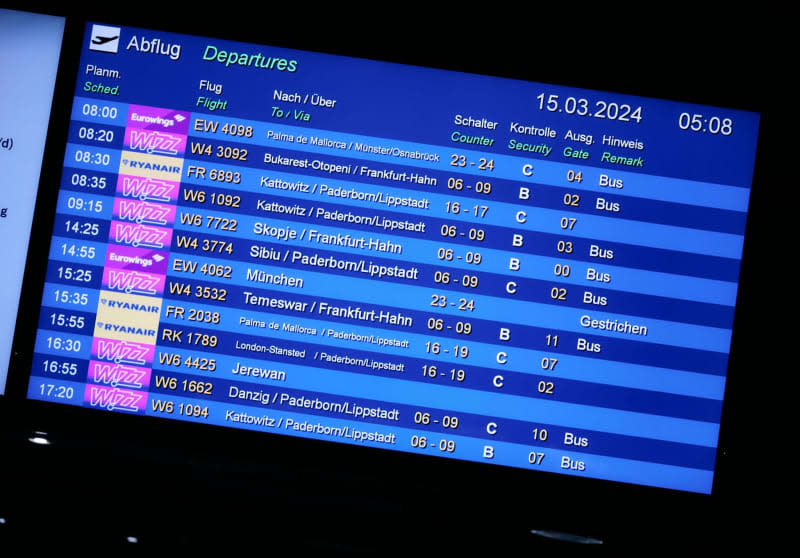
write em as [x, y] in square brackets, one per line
[103, 40]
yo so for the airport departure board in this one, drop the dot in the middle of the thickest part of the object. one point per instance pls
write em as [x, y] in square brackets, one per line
[399, 257]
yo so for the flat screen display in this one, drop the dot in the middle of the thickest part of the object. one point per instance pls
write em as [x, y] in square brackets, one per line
[410, 259]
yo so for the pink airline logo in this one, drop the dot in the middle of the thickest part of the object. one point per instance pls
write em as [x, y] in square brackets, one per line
[147, 189]
[141, 259]
[153, 142]
[161, 119]
[143, 212]
[132, 282]
[118, 375]
[115, 399]
[144, 236]
[122, 352]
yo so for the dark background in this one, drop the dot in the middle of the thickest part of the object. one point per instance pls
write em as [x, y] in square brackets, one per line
[184, 485]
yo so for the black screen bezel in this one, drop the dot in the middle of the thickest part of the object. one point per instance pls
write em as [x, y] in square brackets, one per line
[573, 504]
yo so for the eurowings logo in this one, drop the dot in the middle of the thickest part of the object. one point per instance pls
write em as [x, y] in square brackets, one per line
[115, 399]
[148, 189]
[117, 375]
[122, 352]
[104, 39]
[132, 282]
[154, 142]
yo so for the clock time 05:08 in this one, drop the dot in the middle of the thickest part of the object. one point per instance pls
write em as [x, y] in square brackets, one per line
[704, 123]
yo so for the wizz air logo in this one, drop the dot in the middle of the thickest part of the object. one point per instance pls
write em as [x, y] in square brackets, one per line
[147, 189]
[122, 352]
[115, 399]
[154, 142]
[132, 282]
[140, 235]
[143, 212]
[118, 375]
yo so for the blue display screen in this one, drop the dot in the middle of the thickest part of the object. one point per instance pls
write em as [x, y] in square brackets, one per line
[405, 258]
